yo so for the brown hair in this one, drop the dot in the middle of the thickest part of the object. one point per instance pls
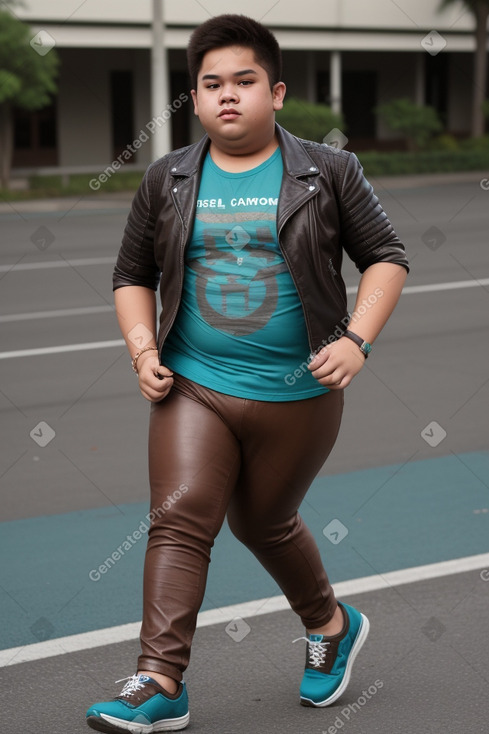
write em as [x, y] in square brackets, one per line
[235, 30]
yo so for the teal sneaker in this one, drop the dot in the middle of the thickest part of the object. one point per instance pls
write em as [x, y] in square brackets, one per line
[329, 660]
[142, 707]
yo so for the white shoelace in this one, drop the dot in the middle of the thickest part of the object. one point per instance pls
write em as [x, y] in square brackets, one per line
[133, 684]
[317, 651]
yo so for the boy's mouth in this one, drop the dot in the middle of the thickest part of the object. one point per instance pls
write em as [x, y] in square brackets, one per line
[229, 114]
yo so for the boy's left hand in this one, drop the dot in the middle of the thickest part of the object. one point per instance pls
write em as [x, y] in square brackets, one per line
[336, 365]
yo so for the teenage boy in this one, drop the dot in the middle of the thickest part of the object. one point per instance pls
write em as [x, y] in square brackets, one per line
[244, 232]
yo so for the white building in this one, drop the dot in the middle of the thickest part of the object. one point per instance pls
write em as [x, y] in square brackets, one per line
[352, 54]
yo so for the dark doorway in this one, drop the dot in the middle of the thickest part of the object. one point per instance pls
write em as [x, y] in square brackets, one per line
[180, 121]
[121, 97]
[436, 84]
[35, 138]
[359, 101]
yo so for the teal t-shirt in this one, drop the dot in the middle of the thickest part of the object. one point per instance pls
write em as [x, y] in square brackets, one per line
[240, 328]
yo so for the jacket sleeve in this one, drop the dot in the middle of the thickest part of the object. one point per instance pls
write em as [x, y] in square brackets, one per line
[367, 234]
[136, 263]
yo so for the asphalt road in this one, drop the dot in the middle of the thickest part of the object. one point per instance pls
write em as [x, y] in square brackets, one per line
[424, 669]
[408, 479]
[430, 363]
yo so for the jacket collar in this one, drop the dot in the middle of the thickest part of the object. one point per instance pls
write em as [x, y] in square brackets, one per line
[297, 162]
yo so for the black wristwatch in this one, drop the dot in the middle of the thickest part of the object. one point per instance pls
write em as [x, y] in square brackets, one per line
[364, 346]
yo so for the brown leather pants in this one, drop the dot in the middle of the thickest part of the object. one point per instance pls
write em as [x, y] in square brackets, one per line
[212, 454]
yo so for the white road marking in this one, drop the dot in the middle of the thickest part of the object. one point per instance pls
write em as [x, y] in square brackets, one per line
[223, 615]
[88, 310]
[82, 311]
[65, 348]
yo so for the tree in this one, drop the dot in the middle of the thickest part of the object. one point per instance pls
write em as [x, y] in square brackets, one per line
[27, 80]
[480, 11]
[415, 122]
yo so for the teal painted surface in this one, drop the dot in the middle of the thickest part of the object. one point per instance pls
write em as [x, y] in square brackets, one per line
[396, 517]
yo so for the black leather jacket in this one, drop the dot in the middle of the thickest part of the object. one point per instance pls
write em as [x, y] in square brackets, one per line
[325, 205]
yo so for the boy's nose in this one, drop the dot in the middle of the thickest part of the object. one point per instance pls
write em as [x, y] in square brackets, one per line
[228, 95]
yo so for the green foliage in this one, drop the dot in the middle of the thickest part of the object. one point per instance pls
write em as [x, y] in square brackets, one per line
[308, 121]
[414, 122]
[10, 85]
[473, 155]
[26, 79]
[444, 142]
[79, 183]
[433, 161]
[476, 144]
[43, 187]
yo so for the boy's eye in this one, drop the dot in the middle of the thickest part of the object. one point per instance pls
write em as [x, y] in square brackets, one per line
[242, 82]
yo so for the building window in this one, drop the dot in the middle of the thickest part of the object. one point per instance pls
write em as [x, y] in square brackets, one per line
[35, 138]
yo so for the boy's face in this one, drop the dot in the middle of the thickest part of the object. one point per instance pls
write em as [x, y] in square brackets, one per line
[233, 100]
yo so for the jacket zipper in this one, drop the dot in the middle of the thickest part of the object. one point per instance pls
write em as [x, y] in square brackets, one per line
[284, 255]
[182, 265]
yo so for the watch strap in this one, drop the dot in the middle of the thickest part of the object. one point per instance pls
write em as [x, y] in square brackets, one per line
[364, 346]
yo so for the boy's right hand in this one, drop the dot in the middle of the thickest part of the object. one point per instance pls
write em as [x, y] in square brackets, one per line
[152, 387]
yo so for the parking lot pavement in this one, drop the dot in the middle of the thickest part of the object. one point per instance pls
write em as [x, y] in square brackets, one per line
[407, 480]
[422, 669]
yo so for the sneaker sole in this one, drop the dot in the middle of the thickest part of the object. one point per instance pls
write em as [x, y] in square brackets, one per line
[112, 725]
[359, 640]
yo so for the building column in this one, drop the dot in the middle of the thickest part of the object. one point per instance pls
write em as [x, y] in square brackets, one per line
[160, 95]
[335, 81]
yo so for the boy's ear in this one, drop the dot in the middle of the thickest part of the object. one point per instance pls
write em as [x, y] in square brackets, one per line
[278, 95]
[194, 100]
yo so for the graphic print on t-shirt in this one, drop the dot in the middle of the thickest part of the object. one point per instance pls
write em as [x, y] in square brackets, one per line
[236, 284]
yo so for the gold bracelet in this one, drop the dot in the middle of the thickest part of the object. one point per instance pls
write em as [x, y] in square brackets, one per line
[134, 361]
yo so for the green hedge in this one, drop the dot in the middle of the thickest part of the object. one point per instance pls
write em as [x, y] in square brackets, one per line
[433, 161]
[471, 155]
[80, 182]
[45, 187]
[307, 120]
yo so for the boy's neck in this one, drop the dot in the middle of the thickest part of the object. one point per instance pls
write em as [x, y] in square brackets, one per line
[236, 162]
